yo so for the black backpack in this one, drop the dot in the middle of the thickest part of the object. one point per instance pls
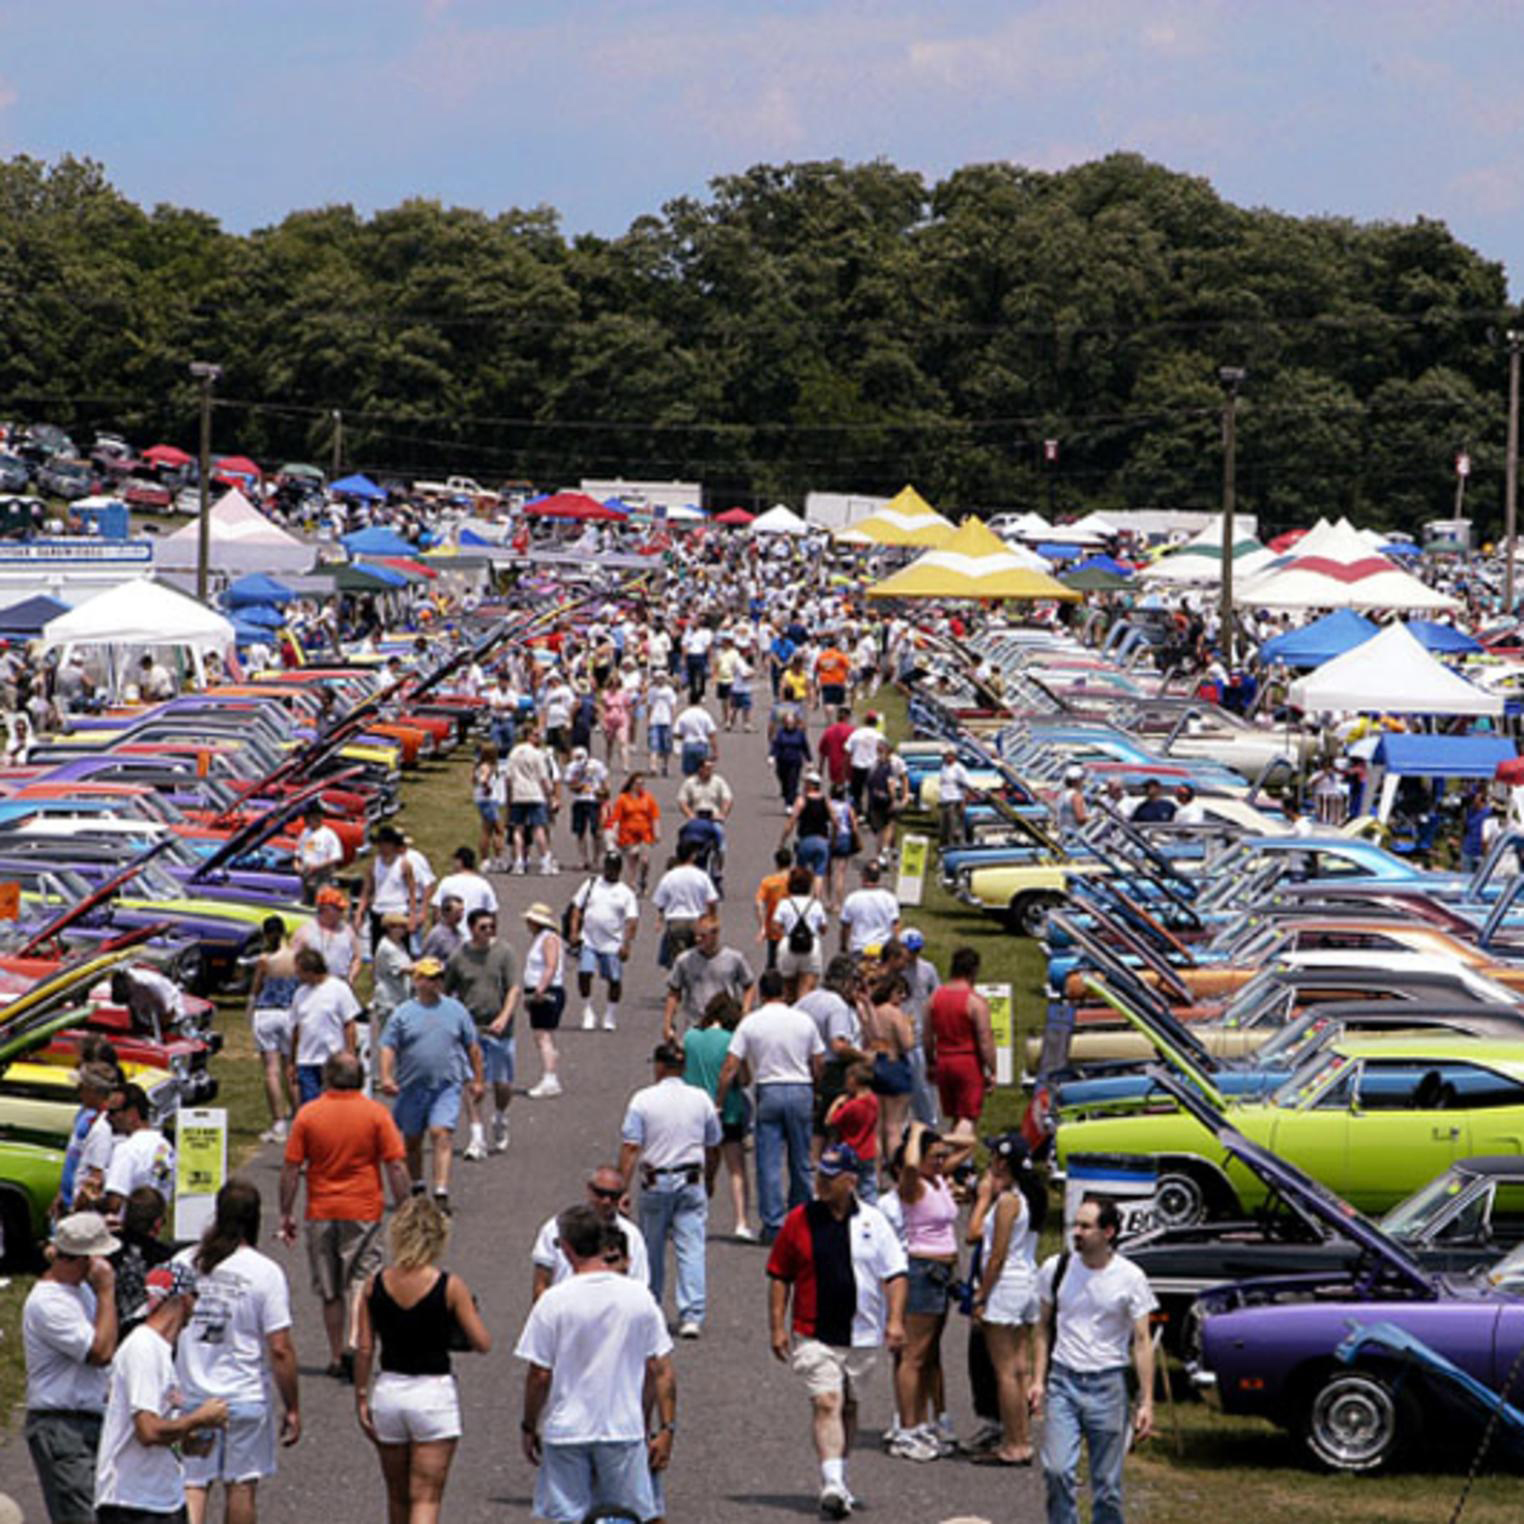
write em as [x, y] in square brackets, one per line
[801, 937]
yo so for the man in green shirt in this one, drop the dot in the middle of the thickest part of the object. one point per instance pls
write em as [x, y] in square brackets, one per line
[483, 974]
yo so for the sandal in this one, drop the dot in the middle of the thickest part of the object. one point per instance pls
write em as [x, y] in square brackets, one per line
[995, 1458]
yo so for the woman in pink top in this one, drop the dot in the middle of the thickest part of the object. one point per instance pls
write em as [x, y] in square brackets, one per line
[614, 710]
[931, 1243]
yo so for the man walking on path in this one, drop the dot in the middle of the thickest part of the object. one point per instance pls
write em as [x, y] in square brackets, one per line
[672, 1130]
[683, 895]
[786, 1053]
[421, 1053]
[701, 973]
[605, 916]
[595, 1344]
[68, 1334]
[1103, 1303]
[845, 1271]
[605, 1190]
[483, 974]
[323, 1016]
[346, 1142]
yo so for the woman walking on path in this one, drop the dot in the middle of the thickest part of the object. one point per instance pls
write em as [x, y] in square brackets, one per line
[704, 1050]
[810, 821]
[802, 920]
[635, 819]
[888, 1036]
[545, 993]
[845, 845]
[413, 1310]
[614, 717]
[270, 995]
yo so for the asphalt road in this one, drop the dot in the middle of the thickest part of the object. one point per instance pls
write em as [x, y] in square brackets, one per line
[743, 1453]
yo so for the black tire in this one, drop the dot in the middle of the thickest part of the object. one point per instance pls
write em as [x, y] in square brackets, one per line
[21, 1252]
[1356, 1422]
[1181, 1199]
[1028, 914]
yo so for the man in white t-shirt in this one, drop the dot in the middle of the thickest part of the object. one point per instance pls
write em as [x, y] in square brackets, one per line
[594, 1344]
[661, 711]
[786, 1053]
[466, 884]
[697, 639]
[238, 1343]
[605, 1190]
[532, 793]
[869, 915]
[605, 918]
[142, 1156]
[137, 1471]
[693, 733]
[1103, 1303]
[319, 853]
[862, 756]
[323, 1015]
[68, 1334]
[683, 896]
[953, 788]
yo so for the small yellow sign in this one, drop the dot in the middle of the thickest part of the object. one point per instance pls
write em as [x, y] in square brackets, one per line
[201, 1166]
[913, 857]
[1002, 1028]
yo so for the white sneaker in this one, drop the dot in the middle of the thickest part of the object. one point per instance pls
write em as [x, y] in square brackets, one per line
[609, 1024]
[477, 1148]
[589, 1019]
[549, 1086]
[743, 1230]
[690, 1328]
[835, 1501]
[519, 866]
[276, 1133]
[938, 1439]
[909, 1444]
[500, 1133]
[549, 865]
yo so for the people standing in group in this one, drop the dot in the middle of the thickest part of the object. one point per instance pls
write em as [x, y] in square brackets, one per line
[634, 818]
[605, 1190]
[605, 915]
[68, 1338]
[324, 1013]
[237, 1346]
[671, 1132]
[960, 1045]
[1098, 1305]
[483, 975]
[346, 1145]
[411, 1315]
[272, 988]
[544, 998]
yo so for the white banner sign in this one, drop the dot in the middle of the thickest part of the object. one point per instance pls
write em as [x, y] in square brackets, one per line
[914, 852]
[201, 1166]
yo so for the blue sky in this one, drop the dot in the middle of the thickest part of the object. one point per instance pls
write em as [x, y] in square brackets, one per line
[250, 108]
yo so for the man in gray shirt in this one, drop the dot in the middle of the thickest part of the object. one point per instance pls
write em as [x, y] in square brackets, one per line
[833, 1008]
[701, 973]
[922, 981]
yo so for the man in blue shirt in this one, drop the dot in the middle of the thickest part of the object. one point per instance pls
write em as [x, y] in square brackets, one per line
[782, 653]
[421, 1053]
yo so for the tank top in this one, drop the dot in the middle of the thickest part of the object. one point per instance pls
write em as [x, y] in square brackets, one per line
[841, 814]
[534, 964]
[950, 1022]
[929, 1222]
[390, 886]
[415, 1341]
[1019, 1272]
[815, 817]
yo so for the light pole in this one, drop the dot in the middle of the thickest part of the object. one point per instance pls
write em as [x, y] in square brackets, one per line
[208, 375]
[338, 444]
[1511, 477]
[1231, 377]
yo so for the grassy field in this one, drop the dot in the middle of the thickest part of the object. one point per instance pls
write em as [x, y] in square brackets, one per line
[1204, 1465]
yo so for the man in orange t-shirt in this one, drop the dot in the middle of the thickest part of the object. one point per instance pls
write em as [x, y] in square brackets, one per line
[346, 1140]
[770, 894]
[833, 668]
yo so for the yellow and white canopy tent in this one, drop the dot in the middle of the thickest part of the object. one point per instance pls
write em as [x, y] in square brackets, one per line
[906, 519]
[974, 563]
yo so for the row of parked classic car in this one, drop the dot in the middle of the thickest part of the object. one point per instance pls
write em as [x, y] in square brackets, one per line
[1305, 1050]
[163, 837]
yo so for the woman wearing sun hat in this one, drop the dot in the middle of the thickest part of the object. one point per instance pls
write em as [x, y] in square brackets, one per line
[545, 993]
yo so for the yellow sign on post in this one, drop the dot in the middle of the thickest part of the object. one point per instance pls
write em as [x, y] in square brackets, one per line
[201, 1166]
[914, 851]
[1003, 1026]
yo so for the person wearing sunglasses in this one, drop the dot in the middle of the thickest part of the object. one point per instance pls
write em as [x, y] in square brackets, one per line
[606, 1196]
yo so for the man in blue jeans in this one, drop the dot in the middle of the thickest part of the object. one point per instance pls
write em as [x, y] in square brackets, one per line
[785, 1052]
[1095, 1307]
[672, 1131]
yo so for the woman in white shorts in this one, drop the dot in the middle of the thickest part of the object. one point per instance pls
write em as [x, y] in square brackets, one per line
[413, 1310]
[799, 912]
[1005, 1300]
[271, 991]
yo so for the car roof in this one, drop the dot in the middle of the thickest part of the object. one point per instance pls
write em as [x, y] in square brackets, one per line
[1437, 1049]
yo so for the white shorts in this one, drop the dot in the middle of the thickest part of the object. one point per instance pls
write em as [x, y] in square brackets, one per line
[826, 1368]
[242, 1452]
[272, 1030]
[414, 1408]
[1013, 1302]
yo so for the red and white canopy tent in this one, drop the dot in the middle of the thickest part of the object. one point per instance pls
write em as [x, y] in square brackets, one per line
[1332, 567]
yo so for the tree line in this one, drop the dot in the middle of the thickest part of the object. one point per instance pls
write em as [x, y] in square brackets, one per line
[825, 325]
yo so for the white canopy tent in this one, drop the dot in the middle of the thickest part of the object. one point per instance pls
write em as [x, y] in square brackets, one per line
[1332, 567]
[1198, 562]
[137, 617]
[779, 519]
[242, 540]
[1391, 673]
[1030, 526]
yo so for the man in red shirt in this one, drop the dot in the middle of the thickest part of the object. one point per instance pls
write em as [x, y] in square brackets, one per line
[833, 746]
[346, 1140]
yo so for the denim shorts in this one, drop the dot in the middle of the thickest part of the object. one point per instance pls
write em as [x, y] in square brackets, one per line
[930, 1283]
[531, 814]
[488, 810]
[605, 965]
[814, 853]
[244, 1451]
[498, 1058]
[421, 1107]
[741, 699]
[573, 1478]
[661, 740]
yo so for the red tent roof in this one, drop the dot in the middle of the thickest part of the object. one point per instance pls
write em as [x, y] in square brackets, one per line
[237, 465]
[166, 455]
[408, 564]
[735, 518]
[1284, 542]
[573, 505]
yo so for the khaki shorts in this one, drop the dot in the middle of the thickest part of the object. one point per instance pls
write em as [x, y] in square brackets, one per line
[827, 1369]
[341, 1254]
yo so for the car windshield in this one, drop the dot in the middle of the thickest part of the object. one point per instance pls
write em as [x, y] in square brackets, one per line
[1410, 1221]
[1508, 1273]
[1317, 1077]
[1264, 998]
[1290, 1047]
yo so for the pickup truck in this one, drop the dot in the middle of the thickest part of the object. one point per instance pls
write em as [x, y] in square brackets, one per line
[455, 487]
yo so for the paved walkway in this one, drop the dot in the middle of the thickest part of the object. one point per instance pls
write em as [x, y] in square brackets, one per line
[743, 1450]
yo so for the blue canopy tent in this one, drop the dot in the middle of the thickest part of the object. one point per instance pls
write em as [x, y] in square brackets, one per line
[24, 620]
[256, 588]
[387, 574]
[246, 634]
[1401, 548]
[1103, 563]
[358, 485]
[1442, 639]
[1318, 642]
[1053, 550]
[1399, 756]
[377, 541]
[260, 614]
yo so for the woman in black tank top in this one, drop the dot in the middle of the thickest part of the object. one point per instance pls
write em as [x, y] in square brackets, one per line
[416, 1311]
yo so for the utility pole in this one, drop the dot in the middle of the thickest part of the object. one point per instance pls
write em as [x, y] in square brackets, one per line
[208, 375]
[1231, 378]
[1511, 479]
[338, 445]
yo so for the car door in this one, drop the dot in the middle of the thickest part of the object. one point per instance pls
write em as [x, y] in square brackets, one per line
[1491, 1105]
[1405, 1128]
[1315, 1133]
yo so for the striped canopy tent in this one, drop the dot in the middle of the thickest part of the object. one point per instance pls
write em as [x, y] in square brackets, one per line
[1198, 563]
[975, 563]
[906, 519]
[1332, 567]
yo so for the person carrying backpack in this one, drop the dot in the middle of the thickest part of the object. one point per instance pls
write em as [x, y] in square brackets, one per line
[802, 920]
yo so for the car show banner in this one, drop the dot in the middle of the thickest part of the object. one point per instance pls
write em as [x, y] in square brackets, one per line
[912, 880]
[1008, 1071]
[1130, 1180]
[201, 1167]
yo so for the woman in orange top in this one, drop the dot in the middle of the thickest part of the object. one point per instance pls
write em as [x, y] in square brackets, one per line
[635, 819]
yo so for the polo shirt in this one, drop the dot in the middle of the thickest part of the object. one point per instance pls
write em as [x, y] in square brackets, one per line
[837, 1269]
[343, 1137]
[672, 1123]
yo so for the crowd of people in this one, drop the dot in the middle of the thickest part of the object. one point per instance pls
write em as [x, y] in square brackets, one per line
[824, 1058]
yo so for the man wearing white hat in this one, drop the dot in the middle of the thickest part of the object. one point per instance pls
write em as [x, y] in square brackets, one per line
[68, 1334]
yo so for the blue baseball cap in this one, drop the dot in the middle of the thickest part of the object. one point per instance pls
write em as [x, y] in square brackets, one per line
[839, 1159]
[912, 939]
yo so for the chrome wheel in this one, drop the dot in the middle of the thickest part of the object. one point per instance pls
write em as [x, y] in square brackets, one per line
[1353, 1424]
[1179, 1201]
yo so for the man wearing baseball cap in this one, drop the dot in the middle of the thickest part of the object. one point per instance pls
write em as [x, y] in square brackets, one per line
[68, 1334]
[138, 1476]
[842, 1266]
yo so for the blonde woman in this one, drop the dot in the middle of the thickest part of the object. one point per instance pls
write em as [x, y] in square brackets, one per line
[414, 1310]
